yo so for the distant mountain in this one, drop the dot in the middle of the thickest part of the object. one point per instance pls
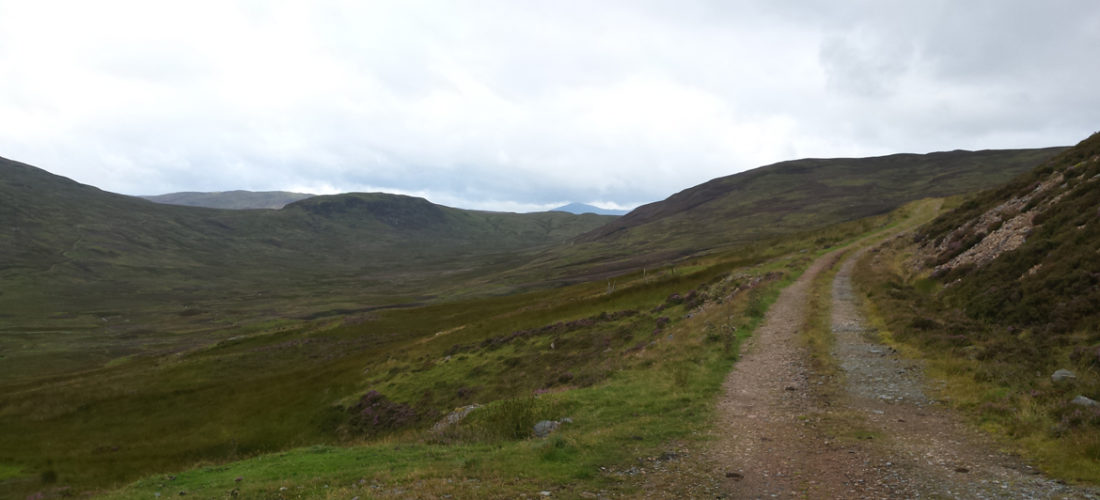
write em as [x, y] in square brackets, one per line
[236, 200]
[582, 208]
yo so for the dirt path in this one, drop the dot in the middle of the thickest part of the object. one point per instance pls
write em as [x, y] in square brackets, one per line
[770, 443]
[784, 432]
[925, 450]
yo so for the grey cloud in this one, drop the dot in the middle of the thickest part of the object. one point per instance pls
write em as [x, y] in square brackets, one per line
[854, 68]
[523, 104]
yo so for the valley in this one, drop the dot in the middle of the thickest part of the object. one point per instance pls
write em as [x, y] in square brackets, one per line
[310, 351]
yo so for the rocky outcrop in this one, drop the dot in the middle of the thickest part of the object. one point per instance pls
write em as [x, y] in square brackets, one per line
[1001, 229]
[454, 417]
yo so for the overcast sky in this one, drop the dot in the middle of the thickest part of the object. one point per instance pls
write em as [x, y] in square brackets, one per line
[518, 105]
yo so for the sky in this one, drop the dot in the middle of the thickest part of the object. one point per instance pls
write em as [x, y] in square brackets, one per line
[526, 105]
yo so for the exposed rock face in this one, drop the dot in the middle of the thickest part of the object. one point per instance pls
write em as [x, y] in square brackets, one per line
[454, 417]
[1002, 229]
[1008, 237]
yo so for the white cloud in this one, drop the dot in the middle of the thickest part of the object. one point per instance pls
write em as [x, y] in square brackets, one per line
[525, 105]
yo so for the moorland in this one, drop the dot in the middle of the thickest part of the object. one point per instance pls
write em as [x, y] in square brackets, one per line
[158, 348]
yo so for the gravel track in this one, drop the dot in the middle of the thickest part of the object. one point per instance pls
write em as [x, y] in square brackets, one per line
[783, 431]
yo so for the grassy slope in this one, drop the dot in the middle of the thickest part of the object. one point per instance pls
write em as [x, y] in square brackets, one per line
[112, 276]
[236, 200]
[633, 390]
[116, 275]
[294, 386]
[995, 333]
[794, 196]
[58, 230]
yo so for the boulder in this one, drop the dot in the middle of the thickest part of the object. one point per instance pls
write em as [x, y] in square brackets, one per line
[1062, 375]
[1084, 401]
[544, 427]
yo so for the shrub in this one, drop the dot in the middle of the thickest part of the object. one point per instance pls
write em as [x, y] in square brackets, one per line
[512, 418]
[375, 414]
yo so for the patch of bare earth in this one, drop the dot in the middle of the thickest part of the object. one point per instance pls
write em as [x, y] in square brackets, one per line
[784, 432]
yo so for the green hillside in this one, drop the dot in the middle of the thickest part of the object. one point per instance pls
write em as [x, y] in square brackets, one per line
[79, 261]
[795, 196]
[60, 229]
[235, 200]
[1002, 292]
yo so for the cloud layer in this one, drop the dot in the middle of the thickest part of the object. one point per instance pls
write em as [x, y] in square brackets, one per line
[525, 105]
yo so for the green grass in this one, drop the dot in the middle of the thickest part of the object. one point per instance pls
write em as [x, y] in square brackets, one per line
[817, 334]
[664, 392]
[9, 471]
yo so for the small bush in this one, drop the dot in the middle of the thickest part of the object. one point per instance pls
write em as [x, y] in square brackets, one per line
[511, 418]
[756, 306]
[465, 393]
[922, 323]
[375, 414]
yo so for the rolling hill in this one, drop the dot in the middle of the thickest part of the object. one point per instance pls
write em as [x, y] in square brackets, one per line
[235, 200]
[99, 262]
[58, 229]
[71, 249]
[775, 200]
[795, 195]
